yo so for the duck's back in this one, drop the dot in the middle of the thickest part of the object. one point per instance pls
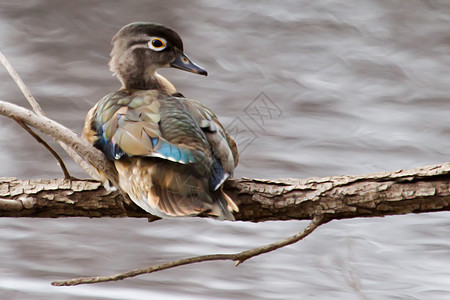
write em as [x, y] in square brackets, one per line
[171, 153]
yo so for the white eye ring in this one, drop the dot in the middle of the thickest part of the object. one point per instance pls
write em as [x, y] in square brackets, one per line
[157, 44]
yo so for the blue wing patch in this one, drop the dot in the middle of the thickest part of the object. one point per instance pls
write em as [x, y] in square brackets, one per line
[162, 148]
[109, 147]
[171, 152]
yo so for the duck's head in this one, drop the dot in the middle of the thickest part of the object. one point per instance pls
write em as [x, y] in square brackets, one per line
[140, 48]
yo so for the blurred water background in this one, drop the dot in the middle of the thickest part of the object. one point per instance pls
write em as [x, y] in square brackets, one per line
[362, 86]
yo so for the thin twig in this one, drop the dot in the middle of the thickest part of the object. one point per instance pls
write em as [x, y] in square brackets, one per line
[26, 92]
[38, 110]
[237, 257]
[244, 255]
[47, 146]
[67, 137]
[61, 134]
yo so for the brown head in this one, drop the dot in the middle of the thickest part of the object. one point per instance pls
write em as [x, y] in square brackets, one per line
[140, 48]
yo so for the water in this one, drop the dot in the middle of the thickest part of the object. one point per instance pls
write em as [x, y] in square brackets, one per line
[362, 86]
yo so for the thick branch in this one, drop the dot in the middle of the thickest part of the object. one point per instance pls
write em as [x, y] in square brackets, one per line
[410, 191]
[51, 198]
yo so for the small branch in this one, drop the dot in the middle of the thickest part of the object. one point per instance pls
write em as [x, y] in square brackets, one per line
[25, 91]
[244, 255]
[38, 110]
[237, 257]
[47, 146]
[61, 134]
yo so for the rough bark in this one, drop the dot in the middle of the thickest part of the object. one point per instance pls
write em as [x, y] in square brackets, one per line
[418, 190]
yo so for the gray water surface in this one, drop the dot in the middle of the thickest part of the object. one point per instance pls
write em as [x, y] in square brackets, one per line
[360, 86]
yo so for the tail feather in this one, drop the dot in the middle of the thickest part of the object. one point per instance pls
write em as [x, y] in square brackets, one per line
[230, 203]
[226, 214]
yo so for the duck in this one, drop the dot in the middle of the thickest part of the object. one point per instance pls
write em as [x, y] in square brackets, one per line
[171, 153]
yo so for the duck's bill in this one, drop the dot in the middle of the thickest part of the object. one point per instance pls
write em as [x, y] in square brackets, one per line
[183, 62]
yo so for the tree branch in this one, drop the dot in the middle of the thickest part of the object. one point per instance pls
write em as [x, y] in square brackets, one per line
[46, 146]
[391, 193]
[237, 257]
[38, 110]
[320, 199]
[23, 88]
[61, 134]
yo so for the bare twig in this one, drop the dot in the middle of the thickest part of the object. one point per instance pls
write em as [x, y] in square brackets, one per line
[244, 255]
[26, 92]
[47, 146]
[38, 110]
[61, 134]
[237, 257]
[67, 137]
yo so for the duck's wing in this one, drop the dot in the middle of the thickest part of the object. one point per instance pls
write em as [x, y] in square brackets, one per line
[223, 147]
[125, 124]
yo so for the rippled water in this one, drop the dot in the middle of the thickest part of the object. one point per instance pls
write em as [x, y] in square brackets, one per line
[361, 86]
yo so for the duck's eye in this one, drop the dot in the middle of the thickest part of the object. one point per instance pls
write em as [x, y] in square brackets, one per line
[157, 44]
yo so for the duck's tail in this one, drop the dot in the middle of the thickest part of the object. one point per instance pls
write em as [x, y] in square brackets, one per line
[223, 206]
[167, 190]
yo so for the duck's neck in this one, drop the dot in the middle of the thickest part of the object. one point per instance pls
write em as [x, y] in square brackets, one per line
[147, 80]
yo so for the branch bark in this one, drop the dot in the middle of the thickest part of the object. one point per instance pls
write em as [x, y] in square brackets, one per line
[417, 190]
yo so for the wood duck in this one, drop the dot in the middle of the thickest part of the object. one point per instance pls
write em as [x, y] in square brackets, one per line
[172, 153]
